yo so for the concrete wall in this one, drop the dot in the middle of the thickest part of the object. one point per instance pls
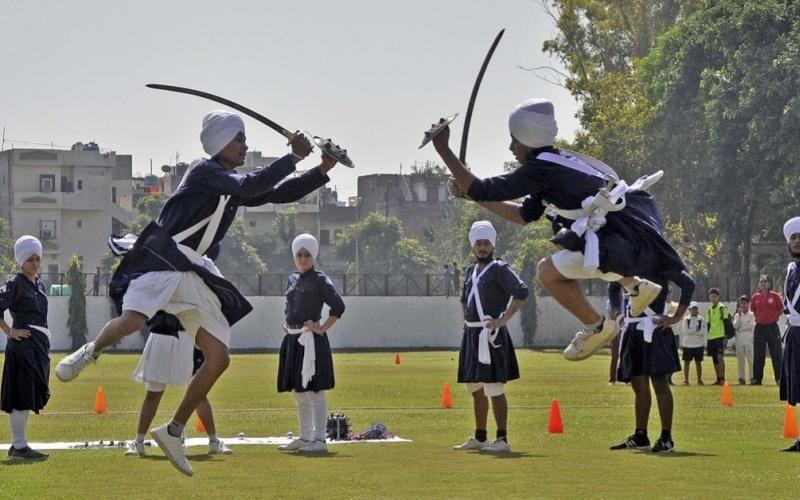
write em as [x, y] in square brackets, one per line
[368, 323]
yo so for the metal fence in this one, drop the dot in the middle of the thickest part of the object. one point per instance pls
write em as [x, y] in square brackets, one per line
[389, 285]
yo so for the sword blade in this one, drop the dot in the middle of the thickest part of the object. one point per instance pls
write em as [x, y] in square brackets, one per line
[227, 102]
[465, 132]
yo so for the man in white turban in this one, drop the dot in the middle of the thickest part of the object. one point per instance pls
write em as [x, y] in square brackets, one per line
[25, 247]
[790, 365]
[613, 235]
[486, 359]
[170, 267]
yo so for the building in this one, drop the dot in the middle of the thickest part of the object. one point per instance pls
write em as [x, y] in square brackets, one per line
[70, 199]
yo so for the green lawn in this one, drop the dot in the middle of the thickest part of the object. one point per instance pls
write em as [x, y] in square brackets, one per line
[723, 452]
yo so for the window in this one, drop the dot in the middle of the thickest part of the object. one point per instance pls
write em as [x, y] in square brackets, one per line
[324, 237]
[251, 223]
[79, 223]
[113, 194]
[47, 229]
[80, 184]
[47, 183]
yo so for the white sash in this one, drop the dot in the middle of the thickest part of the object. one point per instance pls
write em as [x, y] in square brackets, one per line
[793, 316]
[121, 246]
[42, 329]
[592, 214]
[486, 336]
[309, 353]
[644, 324]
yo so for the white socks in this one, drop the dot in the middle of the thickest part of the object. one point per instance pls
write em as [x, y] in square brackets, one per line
[312, 409]
[19, 422]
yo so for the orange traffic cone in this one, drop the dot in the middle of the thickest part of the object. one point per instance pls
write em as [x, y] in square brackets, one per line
[790, 423]
[100, 401]
[447, 396]
[397, 358]
[555, 425]
[727, 395]
[199, 427]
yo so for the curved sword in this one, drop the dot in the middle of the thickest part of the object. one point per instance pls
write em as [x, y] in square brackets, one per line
[238, 107]
[465, 132]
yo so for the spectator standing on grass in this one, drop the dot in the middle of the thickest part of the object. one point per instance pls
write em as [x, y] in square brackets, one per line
[767, 305]
[745, 322]
[693, 342]
[715, 346]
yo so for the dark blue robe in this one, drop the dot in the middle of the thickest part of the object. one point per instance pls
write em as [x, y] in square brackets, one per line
[306, 294]
[631, 242]
[790, 366]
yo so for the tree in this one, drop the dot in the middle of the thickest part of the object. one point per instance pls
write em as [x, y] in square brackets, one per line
[76, 323]
[725, 80]
[7, 263]
[238, 255]
[382, 247]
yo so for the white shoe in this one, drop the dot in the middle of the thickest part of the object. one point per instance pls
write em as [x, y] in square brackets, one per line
[315, 446]
[135, 449]
[172, 448]
[646, 293]
[71, 366]
[471, 444]
[585, 343]
[295, 445]
[218, 448]
[497, 446]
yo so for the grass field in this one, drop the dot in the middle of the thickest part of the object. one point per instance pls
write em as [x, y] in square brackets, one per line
[723, 452]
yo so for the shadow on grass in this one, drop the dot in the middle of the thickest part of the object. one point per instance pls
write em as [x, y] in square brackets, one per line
[678, 454]
[24, 462]
[509, 455]
[329, 454]
[191, 458]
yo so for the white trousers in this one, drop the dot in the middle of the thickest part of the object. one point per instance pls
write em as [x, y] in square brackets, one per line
[312, 410]
[744, 351]
[19, 423]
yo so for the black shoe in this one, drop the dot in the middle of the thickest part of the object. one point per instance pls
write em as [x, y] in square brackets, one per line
[700, 382]
[742, 382]
[663, 446]
[755, 382]
[10, 449]
[633, 442]
[794, 447]
[27, 454]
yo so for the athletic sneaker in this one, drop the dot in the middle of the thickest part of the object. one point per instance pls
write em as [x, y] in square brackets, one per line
[499, 445]
[71, 366]
[173, 448]
[663, 446]
[218, 448]
[315, 446]
[644, 294]
[135, 449]
[587, 343]
[471, 444]
[633, 442]
[295, 445]
[10, 449]
[793, 448]
[26, 453]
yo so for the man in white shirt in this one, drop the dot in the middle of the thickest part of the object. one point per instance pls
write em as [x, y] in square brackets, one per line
[745, 323]
[693, 342]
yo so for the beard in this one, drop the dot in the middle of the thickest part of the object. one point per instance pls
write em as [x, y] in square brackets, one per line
[485, 260]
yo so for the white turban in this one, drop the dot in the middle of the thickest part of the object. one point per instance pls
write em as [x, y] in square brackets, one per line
[25, 247]
[533, 123]
[306, 241]
[219, 129]
[482, 230]
[792, 226]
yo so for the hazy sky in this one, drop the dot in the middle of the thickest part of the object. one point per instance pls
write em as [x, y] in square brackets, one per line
[370, 74]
